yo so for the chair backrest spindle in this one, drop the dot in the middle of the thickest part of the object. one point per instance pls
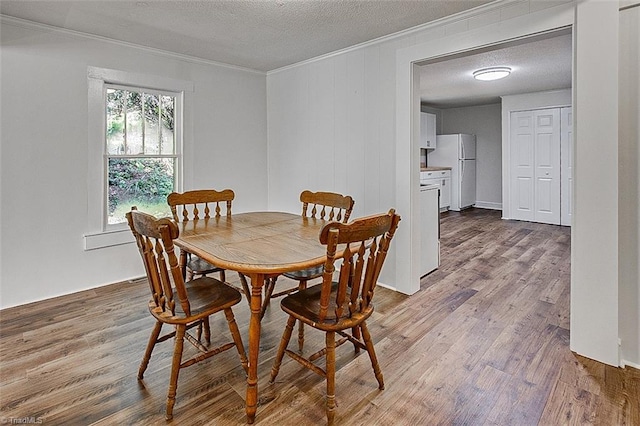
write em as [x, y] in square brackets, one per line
[192, 203]
[366, 242]
[326, 205]
[154, 238]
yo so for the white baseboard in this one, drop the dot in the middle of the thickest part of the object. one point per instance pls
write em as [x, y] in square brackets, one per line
[390, 287]
[488, 205]
[625, 363]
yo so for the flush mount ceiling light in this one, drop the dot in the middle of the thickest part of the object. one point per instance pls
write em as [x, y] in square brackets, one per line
[493, 73]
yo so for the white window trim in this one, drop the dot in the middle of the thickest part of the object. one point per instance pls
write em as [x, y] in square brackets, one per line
[98, 235]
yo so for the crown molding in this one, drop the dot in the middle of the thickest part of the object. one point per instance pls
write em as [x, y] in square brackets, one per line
[497, 4]
[24, 23]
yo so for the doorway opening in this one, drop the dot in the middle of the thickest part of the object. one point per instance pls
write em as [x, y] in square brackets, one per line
[408, 103]
[540, 78]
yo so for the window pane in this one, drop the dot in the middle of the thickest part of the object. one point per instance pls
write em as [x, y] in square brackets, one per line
[141, 182]
[115, 122]
[168, 117]
[134, 123]
[151, 135]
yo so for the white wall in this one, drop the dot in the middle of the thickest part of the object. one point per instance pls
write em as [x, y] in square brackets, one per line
[44, 149]
[594, 234]
[484, 121]
[523, 102]
[629, 186]
[331, 129]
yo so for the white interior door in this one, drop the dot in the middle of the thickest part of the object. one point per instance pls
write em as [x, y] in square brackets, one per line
[547, 165]
[535, 165]
[522, 166]
[566, 165]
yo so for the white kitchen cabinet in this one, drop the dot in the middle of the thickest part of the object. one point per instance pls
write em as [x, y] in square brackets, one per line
[429, 229]
[445, 191]
[427, 130]
[441, 178]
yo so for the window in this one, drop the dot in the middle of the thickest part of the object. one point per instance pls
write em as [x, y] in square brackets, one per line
[135, 148]
[142, 154]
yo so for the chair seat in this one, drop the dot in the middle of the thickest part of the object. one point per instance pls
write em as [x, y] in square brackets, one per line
[306, 274]
[305, 306]
[206, 296]
[201, 267]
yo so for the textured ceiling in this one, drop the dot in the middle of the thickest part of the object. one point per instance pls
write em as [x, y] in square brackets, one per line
[537, 65]
[265, 35]
[258, 34]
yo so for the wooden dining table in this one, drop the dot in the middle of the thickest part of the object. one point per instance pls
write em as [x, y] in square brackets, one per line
[260, 245]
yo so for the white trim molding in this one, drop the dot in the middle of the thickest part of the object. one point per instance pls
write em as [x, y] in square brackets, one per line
[488, 205]
[107, 239]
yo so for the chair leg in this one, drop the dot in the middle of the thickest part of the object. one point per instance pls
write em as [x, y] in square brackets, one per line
[204, 325]
[301, 286]
[183, 264]
[331, 376]
[245, 288]
[355, 332]
[235, 333]
[223, 276]
[153, 339]
[175, 369]
[207, 330]
[269, 286]
[372, 355]
[284, 342]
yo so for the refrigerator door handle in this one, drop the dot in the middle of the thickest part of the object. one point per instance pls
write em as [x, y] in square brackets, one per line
[462, 148]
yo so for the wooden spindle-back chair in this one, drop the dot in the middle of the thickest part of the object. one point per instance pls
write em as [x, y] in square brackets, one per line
[179, 304]
[329, 206]
[344, 305]
[195, 205]
[326, 205]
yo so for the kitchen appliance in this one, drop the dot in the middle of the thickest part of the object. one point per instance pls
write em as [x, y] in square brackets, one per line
[457, 151]
[429, 228]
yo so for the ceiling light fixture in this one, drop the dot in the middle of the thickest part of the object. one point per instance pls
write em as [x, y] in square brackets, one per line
[493, 73]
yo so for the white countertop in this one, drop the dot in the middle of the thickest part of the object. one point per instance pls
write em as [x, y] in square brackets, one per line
[433, 168]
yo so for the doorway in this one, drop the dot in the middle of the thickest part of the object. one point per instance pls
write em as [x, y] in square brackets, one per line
[407, 259]
[594, 253]
[541, 71]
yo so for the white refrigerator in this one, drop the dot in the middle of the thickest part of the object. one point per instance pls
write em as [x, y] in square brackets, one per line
[457, 151]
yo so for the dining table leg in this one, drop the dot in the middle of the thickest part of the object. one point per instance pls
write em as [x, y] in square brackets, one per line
[257, 281]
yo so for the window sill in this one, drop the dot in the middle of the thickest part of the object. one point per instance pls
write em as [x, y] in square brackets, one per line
[107, 239]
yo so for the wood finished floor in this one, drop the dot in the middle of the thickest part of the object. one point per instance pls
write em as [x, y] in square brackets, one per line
[484, 342]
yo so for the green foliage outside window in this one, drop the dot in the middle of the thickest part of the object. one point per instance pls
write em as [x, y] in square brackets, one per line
[139, 179]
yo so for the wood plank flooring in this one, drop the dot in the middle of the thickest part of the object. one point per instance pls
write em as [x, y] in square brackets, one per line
[484, 342]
